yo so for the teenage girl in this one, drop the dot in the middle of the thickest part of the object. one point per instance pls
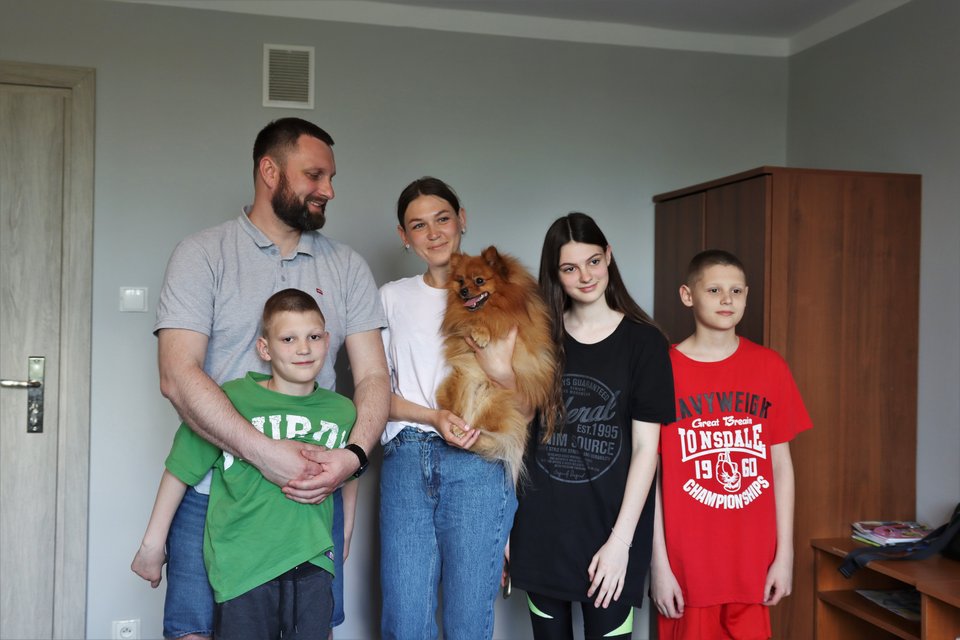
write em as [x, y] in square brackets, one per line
[445, 513]
[584, 525]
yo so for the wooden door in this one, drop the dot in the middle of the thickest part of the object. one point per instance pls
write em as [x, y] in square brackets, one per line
[46, 131]
[735, 220]
[733, 217]
[678, 236]
[845, 316]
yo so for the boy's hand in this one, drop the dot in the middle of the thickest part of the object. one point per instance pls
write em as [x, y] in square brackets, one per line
[779, 581]
[148, 563]
[607, 571]
[665, 591]
[346, 543]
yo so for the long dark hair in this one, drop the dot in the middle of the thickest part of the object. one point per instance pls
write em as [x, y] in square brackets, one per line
[579, 227]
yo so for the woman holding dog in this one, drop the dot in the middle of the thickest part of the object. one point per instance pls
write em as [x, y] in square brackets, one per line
[443, 510]
[583, 529]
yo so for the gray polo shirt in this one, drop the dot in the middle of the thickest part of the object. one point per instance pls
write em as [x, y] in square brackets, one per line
[217, 281]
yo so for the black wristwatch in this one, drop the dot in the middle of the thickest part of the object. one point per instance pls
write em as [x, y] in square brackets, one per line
[361, 455]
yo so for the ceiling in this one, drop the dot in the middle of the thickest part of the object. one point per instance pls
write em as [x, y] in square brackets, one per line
[750, 27]
[772, 18]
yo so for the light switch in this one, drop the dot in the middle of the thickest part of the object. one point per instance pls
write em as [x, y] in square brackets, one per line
[133, 299]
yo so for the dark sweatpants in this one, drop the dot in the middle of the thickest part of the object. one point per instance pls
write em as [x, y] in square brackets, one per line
[297, 604]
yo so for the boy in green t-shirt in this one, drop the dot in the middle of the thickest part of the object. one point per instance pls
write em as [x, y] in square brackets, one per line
[269, 559]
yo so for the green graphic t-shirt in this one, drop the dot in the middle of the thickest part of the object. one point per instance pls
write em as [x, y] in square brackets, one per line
[253, 532]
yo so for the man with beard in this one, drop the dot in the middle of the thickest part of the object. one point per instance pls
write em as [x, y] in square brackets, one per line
[215, 285]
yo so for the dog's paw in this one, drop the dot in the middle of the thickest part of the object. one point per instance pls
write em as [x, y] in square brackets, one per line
[480, 336]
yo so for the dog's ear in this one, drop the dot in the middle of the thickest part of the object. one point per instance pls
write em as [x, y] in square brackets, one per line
[455, 259]
[492, 257]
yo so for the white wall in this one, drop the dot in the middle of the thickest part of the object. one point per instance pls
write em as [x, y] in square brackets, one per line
[879, 98]
[525, 130]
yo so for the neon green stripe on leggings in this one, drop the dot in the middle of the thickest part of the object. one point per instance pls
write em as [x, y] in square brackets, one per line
[537, 612]
[623, 629]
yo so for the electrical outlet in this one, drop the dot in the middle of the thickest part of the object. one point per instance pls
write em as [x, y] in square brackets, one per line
[126, 629]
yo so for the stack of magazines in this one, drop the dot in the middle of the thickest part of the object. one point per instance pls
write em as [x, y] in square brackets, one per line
[881, 533]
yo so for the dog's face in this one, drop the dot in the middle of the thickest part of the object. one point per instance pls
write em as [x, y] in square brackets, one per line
[475, 278]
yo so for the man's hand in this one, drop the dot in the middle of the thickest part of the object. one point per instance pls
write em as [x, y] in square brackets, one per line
[283, 461]
[335, 466]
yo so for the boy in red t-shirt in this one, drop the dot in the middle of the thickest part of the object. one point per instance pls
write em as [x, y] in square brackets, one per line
[723, 539]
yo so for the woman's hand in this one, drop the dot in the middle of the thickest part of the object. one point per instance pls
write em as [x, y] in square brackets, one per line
[607, 571]
[455, 431]
[505, 572]
[496, 359]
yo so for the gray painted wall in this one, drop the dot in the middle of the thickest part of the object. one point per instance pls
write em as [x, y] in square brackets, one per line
[524, 129]
[878, 98]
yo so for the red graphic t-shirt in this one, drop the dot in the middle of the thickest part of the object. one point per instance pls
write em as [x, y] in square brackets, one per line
[718, 501]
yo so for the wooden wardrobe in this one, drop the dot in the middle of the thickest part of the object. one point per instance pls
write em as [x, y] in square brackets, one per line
[833, 265]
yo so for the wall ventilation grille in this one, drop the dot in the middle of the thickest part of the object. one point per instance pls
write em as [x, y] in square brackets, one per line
[287, 76]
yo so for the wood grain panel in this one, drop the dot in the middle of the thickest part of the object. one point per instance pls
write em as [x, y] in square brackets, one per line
[735, 220]
[806, 328]
[678, 237]
[31, 200]
[70, 466]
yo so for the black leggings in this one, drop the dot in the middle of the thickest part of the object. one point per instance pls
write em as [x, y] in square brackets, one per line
[553, 619]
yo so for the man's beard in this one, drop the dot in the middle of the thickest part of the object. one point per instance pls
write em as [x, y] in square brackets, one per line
[293, 212]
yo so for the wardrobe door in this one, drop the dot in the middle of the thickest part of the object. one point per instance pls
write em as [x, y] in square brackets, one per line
[736, 219]
[678, 237]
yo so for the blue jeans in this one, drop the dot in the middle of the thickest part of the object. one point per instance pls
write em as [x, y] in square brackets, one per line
[445, 516]
[338, 615]
[188, 607]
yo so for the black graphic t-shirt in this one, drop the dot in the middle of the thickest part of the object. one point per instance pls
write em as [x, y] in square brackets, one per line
[577, 479]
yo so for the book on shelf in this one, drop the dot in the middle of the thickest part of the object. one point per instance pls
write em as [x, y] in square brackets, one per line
[882, 533]
[903, 602]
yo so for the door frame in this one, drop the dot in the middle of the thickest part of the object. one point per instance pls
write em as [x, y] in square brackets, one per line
[73, 446]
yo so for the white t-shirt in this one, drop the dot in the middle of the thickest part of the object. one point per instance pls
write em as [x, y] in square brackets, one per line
[413, 345]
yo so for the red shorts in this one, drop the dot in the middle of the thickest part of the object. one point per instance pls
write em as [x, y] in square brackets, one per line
[732, 621]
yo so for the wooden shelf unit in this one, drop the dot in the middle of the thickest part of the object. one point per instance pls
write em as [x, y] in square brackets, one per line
[843, 614]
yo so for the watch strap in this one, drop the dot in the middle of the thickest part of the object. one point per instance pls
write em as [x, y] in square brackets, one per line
[361, 456]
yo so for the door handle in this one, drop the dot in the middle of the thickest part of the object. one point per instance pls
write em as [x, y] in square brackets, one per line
[19, 384]
[34, 386]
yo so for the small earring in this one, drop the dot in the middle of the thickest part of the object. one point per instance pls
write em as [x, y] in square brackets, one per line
[406, 247]
[463, 231]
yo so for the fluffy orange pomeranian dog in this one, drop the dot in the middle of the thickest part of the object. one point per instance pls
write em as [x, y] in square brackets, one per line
[488, 295]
